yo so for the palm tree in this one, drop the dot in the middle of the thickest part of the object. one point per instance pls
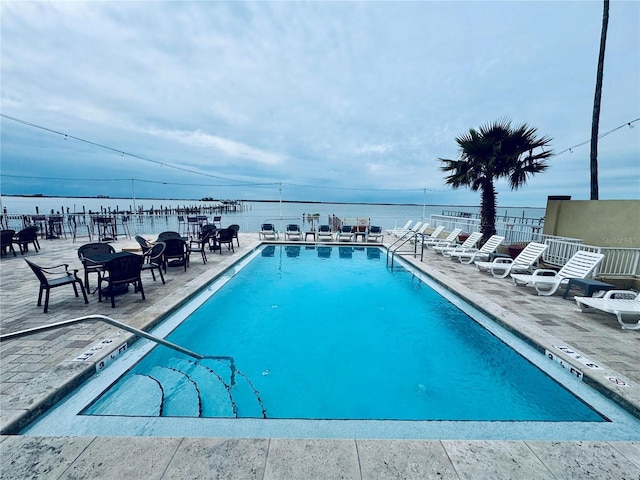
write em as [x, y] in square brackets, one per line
[595, 121]
[495, 151]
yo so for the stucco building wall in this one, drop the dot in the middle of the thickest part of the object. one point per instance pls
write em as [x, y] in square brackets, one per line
[603, 223]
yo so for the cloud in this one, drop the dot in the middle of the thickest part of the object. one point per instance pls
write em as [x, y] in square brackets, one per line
[361, 97]
[224, 146]
[374, 149]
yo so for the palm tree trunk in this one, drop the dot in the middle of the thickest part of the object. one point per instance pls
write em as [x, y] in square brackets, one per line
[488, 210]
[595, 122]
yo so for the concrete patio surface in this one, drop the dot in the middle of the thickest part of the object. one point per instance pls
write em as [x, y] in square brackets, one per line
[37, 370]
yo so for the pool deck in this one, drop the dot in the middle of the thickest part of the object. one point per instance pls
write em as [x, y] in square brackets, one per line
[35, 370]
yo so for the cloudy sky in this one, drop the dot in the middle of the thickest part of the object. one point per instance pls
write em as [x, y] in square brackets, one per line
[328, 101]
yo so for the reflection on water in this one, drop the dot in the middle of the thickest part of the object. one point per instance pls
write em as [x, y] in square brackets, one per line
[373, 253]
[292, 251]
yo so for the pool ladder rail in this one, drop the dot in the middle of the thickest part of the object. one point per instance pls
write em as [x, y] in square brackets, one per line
[399, 247]
[141, 333]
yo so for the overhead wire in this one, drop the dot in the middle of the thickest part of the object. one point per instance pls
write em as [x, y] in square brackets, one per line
[238, 182]
[141, 180]
[119, 151]
[602, 135]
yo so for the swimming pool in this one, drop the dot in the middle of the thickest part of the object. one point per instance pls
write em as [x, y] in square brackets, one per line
[379, 351]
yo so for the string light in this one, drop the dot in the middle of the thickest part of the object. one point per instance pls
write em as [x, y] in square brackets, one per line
[628, 124]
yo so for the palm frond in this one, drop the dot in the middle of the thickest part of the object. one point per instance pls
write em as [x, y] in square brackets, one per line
[493, 151]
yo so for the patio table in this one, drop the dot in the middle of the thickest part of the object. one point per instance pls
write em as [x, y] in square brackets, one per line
[589, 286]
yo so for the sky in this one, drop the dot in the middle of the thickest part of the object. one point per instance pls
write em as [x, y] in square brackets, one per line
[351, 101]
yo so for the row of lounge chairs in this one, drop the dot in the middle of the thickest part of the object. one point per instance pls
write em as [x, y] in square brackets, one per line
[470, 255]
[524, 272]
[346, 233]
[622, 303]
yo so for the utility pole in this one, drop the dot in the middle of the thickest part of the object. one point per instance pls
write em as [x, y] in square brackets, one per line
[595, 122]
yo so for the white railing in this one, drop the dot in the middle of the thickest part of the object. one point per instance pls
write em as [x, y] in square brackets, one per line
[514, 232]
[617, 261]
[620, 262]
[450, 223]
[561, 250]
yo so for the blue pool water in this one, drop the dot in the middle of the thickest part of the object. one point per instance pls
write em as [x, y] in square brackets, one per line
[307, 355]
[332, 333]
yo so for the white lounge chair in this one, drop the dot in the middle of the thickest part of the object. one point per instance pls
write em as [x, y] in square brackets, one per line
[268, 231]
[374, 234]
[293, 232]
[483, 253]
[434, 235]
[619, 302]
[419, 234]
[468, 244]
[416, 227]
[546, 282]
[393, 231]
[449, 241]
[345, 234]
[324, 232]
[501, 267]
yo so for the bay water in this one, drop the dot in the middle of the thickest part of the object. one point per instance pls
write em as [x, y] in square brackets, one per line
[249, 214]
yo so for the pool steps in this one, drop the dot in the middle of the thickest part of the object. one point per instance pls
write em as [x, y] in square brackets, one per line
[181, 387]
[177, 368]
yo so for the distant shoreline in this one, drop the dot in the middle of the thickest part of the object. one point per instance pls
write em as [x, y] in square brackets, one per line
[257, 201]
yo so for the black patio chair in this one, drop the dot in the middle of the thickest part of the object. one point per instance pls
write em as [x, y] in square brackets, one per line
[124, 225]
[144, 244]
[198, 245]
[212, 230]
[193, 227]
[106, 228]
[236, 229]
[6, 242]
[86, 253]
[56, 276]
[176, 253]
[169, 234]
[182, 225]
[26, 236]
[56, 227]
[154, 260]
[121, 271]
[225, 237]
[40, 222]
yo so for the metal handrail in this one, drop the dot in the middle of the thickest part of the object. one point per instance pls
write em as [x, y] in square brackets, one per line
[123, 326]
[406, 237]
